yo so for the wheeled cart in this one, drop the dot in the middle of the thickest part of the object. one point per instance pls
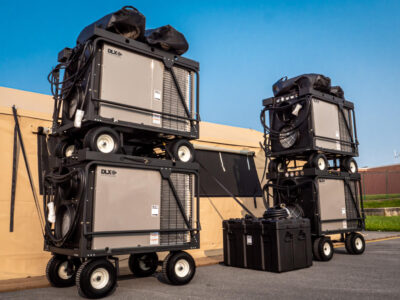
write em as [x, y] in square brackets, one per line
[119, 95]
[310, 126]
[107, 205]
[331, 200]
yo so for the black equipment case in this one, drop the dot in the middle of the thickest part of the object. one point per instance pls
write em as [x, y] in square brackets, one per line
[267, 244]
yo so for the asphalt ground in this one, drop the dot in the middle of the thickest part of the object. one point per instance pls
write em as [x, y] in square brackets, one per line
[373, 275]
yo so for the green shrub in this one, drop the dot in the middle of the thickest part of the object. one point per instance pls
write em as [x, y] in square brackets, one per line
[380, 223]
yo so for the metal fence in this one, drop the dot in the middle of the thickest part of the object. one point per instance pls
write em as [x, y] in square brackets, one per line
[380, 182]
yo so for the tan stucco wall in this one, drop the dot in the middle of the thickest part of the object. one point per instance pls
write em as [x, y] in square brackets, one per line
[21, 252]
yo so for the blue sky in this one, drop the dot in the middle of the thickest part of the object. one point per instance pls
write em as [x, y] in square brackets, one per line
[243, 47]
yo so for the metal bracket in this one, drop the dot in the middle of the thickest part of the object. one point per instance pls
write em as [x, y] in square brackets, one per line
[165, 173]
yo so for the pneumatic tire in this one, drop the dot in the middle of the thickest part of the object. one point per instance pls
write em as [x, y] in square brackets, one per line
[143, 264]
[276, 166]
[182, 150]
[179, 268]
[319, 161]
[57, 272]
[357, 243]
[96, 278]
[102, 139]
[347, 243]
[349, 164]
[323, 249]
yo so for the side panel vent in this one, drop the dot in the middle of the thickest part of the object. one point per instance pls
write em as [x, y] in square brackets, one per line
[171, 217]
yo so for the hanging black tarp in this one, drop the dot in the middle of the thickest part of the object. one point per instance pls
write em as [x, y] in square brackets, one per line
[127, 21]
[167, 38]
[237, 172]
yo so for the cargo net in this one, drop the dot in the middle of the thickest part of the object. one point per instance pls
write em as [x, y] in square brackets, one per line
[345, 137]
[171, 216]
[351, 209]
[172, 102]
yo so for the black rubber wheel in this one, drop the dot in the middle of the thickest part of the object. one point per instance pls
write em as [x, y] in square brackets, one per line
[102, 139]
[349, 164]
[96, 278]
[65, 148]
[357, 243]
[144, 264]
[179, 268]
[182, 150]
[315, 249]
[319, 161]
[323, 249]
[347, 243]
[59, 273]
[276, 166]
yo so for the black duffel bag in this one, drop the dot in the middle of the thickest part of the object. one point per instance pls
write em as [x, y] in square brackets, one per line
[303, 82]
[167, 38]
[337, 91]
[127, 21]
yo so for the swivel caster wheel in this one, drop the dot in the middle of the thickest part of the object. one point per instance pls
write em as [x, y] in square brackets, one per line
[144, 264]
[60, 271]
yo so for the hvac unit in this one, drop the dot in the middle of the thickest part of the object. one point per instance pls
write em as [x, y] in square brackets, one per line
[140, 95]
[331, 200]
[104, 208]
[308, 116]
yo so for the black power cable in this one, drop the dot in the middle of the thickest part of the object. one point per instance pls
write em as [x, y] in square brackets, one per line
[50, 194]
[61, 90]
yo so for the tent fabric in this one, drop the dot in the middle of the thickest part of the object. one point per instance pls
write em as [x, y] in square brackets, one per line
[21, 252]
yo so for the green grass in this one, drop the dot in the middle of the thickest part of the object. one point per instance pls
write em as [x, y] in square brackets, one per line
[381, 196]
[379, 223]
[382, 203]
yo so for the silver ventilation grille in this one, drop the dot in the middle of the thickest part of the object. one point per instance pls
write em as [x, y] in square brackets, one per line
[170, 215]
[172, 102]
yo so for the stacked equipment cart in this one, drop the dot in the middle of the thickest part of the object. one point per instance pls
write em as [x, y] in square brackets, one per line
[117, 169]
[311, 142]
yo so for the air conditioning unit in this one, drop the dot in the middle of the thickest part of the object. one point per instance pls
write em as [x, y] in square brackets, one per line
[106, 208]
[332, 201]
[301, 124]
[129, 85]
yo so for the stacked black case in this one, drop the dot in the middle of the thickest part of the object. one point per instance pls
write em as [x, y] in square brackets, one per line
[267, 244]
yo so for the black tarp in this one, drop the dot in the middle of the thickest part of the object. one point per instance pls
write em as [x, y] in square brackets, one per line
[167, 38]
[127, 21]
[237, 172]
[305, 82]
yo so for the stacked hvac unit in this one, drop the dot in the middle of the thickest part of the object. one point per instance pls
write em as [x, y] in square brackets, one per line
[117, 167]
[311, 142]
